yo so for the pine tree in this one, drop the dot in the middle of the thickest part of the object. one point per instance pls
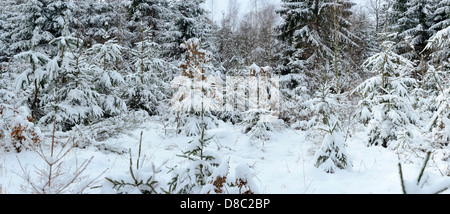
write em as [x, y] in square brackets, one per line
[7, 11]
[107, 79]
[94, 17]
[199, 90]
[147, 86]
[31, 79]
[332, 155]
[440, 20]
[440, 15]
[396, 16]
[37, 23]
[415, 27]
[312, 32]
[202, 163]
[189, 21]
[156, 15]
[69, 98]
[439, 125]
[385, 104]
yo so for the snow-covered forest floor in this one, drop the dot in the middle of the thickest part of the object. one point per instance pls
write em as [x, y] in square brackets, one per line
[284, 165]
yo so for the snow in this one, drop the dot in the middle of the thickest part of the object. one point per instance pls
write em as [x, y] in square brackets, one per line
[286, 166]
[151, 115]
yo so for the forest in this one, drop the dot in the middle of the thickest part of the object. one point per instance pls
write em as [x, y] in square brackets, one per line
[160, 97]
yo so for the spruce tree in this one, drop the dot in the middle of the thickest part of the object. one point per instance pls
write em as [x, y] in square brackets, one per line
[189, 21]
[385, 97]
[29, 82]
[198, 92]
[69, 96]
[416, 26]
[310, 31]
[107, 79]
[147, 84]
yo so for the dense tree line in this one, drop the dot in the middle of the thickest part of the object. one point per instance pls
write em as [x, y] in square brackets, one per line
[78, 61]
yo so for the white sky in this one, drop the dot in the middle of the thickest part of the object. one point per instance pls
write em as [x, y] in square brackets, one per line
[218, 7]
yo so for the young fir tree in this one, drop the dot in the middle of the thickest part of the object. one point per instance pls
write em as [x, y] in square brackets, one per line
[69, 97]
[107, 80]
[201, 164]
[439, 125]
[195, 100]
[30, 81]
[386, 104]
[332, 154]
[199, 90]
[147, 85]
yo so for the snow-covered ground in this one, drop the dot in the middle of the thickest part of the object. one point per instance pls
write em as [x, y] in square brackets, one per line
[284, 165]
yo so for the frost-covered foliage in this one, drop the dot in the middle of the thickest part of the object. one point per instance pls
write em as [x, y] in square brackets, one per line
[440, 14]
[198, 92]
[142, 180]
[57, 176]
[386, 106]
[439, 125]
[416, 28]
[107, 79]
[148, 85]
[309, 29]
[294, 92]
[36, 23]
[440, 122]
[139, 179]
[202, 162]
[17, 130]
[222, 182]
[68, 94]
[189, 21]
[29, 82]
[263, 103]
[332, 155]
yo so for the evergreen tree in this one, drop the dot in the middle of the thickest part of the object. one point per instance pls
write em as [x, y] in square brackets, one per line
[202, 163]
[440, 14]
[36, 24]
[439, 125]
[440, 21]
[147, 85]
[415, 27]
[312, 32]
[199, 90]
[189, 21]
[94, 17]
[69, 98]
[107, 79]
[31, 79]
[385, 104]
[157, 18]
[332, 155]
